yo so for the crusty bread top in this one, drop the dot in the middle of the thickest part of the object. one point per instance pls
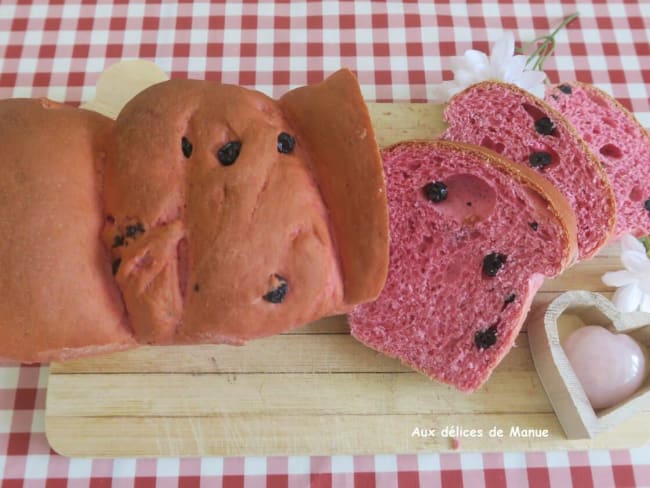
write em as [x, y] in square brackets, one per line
[334, 122]
[295, 209]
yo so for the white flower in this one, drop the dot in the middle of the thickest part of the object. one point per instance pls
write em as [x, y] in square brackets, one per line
[503, 65]
[633, 282]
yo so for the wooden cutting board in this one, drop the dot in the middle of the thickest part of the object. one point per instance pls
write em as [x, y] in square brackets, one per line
[312, 391]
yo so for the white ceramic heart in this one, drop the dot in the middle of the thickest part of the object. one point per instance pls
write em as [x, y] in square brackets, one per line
[611, 367]
[572, 407]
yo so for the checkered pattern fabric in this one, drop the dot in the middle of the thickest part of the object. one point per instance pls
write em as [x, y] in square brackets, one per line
[398, 50]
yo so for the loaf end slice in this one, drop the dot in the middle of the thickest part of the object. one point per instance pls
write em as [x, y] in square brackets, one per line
[464, 267]
[333, 121]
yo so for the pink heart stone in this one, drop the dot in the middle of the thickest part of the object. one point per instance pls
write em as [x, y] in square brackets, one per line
[610, 367]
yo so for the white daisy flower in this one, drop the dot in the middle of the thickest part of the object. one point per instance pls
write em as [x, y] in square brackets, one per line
[633, 282]
[503, 65]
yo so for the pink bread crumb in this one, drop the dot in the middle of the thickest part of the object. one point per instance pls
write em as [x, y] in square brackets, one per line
[509, 121]
[439, 312]
[621, 143]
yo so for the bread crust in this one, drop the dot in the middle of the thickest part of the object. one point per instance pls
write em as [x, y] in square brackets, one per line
[58, 299]
[560, 207]
[352, 183]
[558, 118]
[311, 218]
[417, 338]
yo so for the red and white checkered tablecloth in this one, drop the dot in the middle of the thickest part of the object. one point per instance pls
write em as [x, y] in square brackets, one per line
[398, 50]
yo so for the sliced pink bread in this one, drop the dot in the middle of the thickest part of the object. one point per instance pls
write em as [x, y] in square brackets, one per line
[622, 144]
[529, 132]
[472, 236]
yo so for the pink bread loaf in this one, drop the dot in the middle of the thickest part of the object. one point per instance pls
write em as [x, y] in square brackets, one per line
[57, 296]
[526, 130]
[472, 236]
[232, 216]
[622, 144]
[225, 216]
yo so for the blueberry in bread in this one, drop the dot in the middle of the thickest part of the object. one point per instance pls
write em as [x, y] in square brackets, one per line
[621, 143]
[463, 269]
[523, 128]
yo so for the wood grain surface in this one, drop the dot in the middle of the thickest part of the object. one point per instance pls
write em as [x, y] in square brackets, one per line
[314, 390]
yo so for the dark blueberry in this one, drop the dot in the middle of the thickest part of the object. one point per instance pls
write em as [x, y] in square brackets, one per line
[196, 287]
[509, 299]
[186, 146]
[555, 97]
[486, 338]
[277, 294]
[286, 143]
[116, 265]
[646, 205]
[134, 230]
[118, 241]
[540, 159]
[229, 152]
[534, 225]
[436, 192]
[110, 219]
[544, 126]
[492, 263]
[565, 89]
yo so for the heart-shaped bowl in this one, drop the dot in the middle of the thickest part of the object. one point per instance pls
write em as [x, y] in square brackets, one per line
[568, 311]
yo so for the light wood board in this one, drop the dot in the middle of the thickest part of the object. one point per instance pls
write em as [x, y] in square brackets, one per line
[312, 391]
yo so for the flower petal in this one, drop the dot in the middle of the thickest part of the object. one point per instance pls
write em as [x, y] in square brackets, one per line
[442, 92]
[465, 77]
[530, 78]
[636, 262]
[502, 50]
[644, 284]
[645, 303]
[477, 59]
[537, 90]
[631, 243]
[619, 278]
[513, 69]
[628, 298]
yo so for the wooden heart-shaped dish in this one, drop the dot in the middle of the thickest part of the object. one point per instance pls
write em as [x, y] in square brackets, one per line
[564, 314]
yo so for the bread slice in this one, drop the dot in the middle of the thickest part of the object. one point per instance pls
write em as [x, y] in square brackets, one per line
[621, 143]
[233, 216]
[58, 299]
[472, 236]
[523, 128]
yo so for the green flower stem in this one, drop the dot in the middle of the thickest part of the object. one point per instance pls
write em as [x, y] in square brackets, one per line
[546, 45]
